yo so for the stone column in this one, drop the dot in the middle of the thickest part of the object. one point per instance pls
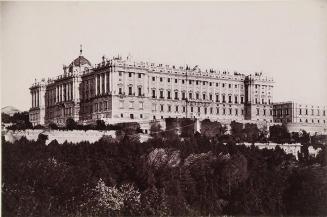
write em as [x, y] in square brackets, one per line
[105, 82]
[67, 90]
[37, 95]
[71, 91]
[100, 84]
[96, 85]
[32, 94]
[110, 80]
[61, 96]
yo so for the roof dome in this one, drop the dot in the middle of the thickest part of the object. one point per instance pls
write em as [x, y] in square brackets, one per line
[79, 61]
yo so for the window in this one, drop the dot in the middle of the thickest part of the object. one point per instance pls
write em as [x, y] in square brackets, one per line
[210, 84]
[242, 99]
[264, 112]
[140, 75]
[120, 74]
[306, 113]
[230, 99]
[210, 96]
[224, 111]
[235, 99]
[229, 86]
[235, 86]
[161, 108]
[217, 97]
[176, 108]
[204, 83]
[191, 108]
[204, 96]
[105, 105]
[161, 94]
[129, 74]
[120, 91]
[324, 113]
[197, 82]
[183, 95]
[190, 95]
[169, 108]
[256, 100]
[205, 110]
[168, 94]
[176, 81]
[131, 116]
[184, 109]
[257, 111]
[141, 115]
[199, 109]
[168, 80]
[139, 91]
[130, 91]
[300, 112]
[230, 111]
[312, 112]
[190, 82]
[153, 93]
[211, 110]
[153, 78]
[197, 95]
[100, 106]
[183, 81]
[263, 101]
[217, 84]
[236, 111]
[176, 95]
[224, 99]
[121, 115]
[160, 79]
[217, 110]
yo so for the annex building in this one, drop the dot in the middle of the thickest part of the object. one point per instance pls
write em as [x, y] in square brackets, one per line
[122, 90]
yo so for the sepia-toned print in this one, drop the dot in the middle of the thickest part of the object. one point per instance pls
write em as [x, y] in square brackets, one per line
[164, 108]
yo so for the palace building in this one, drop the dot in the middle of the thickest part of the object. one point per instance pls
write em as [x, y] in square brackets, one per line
[296, 116]
[122, 90]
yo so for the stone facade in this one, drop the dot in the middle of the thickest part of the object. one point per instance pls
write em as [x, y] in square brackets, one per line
[122, 90]
[301, 116]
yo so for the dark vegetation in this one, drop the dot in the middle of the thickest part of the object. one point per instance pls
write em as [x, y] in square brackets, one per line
[171, 174]
[20, 121]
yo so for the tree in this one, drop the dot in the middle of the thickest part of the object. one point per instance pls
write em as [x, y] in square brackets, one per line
[237, 130]
[212, 129]
[100, 125]
[251, 132]
[155, 129]
[53, 126]
[279, 134]
[71, 124]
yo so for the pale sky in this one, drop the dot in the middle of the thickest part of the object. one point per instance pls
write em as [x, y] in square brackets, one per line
[285, 40]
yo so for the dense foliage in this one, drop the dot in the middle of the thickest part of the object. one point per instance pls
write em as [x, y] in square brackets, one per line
[167, 175]
[19, 120]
